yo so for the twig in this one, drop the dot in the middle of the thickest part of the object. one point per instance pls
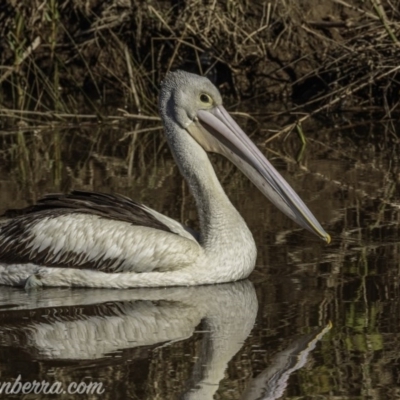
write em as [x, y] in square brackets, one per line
[368, 14]
[161, 19]
[131, 79]
[346, 91]
[330, 24]
[382, 15]
[35, 44]
[6, 112]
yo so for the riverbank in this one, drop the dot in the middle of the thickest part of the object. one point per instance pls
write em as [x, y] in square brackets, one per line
[73, 56]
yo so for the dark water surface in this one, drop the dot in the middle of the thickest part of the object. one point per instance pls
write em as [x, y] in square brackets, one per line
[312, 322]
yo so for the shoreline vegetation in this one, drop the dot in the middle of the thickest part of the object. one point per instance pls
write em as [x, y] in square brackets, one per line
[79, 79]
[85, 65]
[60, 58]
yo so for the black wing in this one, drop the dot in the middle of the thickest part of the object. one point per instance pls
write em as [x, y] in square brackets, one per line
[110, 206]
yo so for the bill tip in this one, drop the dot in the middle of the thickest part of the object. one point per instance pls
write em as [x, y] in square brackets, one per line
[327, 238]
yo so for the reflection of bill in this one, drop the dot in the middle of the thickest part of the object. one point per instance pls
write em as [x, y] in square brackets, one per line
[44, 387]
[271, 383]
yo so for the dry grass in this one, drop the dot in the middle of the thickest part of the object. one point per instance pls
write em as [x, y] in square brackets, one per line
[65, 60]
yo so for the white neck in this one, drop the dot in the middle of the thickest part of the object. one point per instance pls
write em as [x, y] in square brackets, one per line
[222, 227]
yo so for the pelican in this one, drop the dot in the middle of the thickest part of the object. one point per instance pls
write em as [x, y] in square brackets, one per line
[88, 239]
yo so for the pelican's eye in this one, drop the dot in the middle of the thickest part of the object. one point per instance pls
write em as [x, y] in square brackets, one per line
[205, 98]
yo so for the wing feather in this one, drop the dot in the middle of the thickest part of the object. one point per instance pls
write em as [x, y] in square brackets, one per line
[111, 206]
[27, 237]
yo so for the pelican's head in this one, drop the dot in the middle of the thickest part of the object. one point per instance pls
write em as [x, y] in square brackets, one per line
[184, 94]
[195, 104]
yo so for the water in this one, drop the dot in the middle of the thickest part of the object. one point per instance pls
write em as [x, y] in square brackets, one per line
[313, 321]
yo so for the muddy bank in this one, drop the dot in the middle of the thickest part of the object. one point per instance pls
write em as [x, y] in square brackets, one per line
[70, 55]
